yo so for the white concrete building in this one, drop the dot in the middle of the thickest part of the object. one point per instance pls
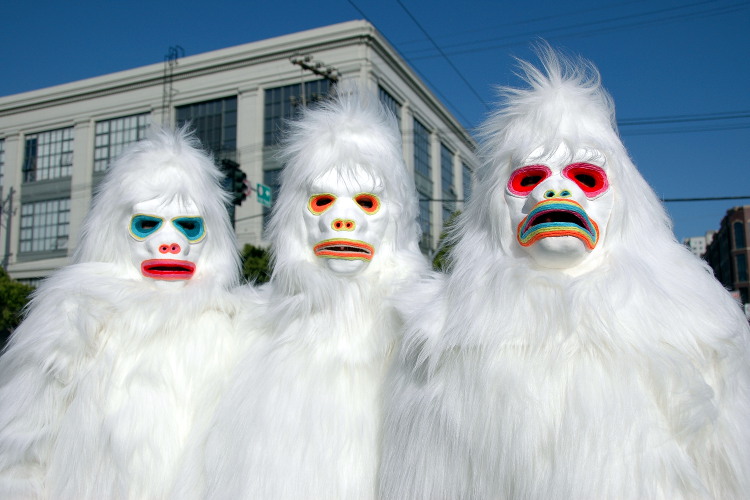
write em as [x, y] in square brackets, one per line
[56, 143]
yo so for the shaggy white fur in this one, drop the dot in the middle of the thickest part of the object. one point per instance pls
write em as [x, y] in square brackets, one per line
[626, 379]
[104, 379]
[302, 416]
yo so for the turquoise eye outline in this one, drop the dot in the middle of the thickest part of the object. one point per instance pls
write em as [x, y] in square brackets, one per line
[192, 227]
[142, 226]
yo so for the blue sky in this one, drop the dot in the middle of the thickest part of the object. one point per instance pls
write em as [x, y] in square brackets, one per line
[684, 64]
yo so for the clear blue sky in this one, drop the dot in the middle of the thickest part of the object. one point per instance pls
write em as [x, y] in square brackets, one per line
[687, 62]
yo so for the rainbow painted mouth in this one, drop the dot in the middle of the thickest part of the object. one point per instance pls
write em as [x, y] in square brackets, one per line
[558, 217]
[344, 249]
[167, 269]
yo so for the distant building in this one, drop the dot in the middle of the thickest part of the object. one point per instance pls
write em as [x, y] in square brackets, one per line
[728, 253]
[56, 143]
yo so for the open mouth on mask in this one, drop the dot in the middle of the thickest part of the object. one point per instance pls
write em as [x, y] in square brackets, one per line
[344, 249]
[558, 217]
[168, 269]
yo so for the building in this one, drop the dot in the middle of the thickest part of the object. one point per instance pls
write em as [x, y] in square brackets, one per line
[698, 244]
[728, 253]
[56, 143]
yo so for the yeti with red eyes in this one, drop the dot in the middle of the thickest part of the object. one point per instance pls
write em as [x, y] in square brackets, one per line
[559, 205]
[346, 220]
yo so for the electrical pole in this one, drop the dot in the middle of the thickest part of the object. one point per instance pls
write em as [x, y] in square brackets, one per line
[307, 62]
[170, 61]
[8, 217]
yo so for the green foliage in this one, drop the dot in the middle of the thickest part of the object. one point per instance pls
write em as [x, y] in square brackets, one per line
[256, 264]
[13, 298]
[440, 261]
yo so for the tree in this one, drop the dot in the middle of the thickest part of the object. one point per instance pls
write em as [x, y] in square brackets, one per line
[13, 298]
[256, 264]
[440, 261]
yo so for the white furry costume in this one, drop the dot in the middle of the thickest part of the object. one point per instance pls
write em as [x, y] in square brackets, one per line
[619, 374]
[107, 374]
[302, 416]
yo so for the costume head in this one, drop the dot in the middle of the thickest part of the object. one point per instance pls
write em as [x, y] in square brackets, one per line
[160, 214]
[346, 203]
[557, 187]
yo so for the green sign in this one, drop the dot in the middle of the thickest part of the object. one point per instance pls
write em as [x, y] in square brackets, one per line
[264, 195]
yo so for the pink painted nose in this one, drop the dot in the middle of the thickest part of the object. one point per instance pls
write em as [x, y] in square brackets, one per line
[173, 248]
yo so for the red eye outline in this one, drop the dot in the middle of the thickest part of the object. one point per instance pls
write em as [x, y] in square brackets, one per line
[592, 179]
[523, 181]
[319, 203]
[368, 202]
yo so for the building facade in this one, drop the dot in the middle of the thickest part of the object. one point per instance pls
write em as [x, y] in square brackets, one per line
[729, 252]
[57, 143]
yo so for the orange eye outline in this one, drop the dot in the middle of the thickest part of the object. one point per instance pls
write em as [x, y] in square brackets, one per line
[319, 203]
[368, 202]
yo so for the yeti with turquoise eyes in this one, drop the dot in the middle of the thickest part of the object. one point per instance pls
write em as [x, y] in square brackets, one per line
[575, 350]
[123, 352]
[302, 415]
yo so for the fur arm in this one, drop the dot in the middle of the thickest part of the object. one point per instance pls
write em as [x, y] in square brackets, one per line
[37, 379]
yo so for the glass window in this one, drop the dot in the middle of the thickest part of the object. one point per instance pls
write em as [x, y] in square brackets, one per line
[44, 226]
[741, 261]
[739, 234]
[283, 103]
[112, 136]
[391, 103]
[467, 181]
[48, 155]
[423, 181]
[446, 177]
[2, 163]
[214, 123]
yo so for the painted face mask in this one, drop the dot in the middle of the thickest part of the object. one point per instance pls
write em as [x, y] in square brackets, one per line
[560, 208]
[346, 219]
[166, 239]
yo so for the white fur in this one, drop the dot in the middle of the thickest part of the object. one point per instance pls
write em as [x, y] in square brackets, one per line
[302, 416]
[106, 376]
[627, 381]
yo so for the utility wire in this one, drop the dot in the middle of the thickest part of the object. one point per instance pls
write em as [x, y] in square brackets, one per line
[447, 59]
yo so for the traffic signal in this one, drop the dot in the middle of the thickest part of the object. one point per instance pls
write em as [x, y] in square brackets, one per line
[235, 181]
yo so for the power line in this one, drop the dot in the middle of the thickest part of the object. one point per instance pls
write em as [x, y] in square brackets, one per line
[447, 59]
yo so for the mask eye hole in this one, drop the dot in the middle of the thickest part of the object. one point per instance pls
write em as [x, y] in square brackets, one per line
[369, 203]
[523, 181]
[319, 203]
[590, 178]
[192, 227]
[141, 226]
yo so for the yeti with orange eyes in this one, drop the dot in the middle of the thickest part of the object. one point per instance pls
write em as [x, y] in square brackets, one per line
[575, 350]
[302, 415]
[123, 352]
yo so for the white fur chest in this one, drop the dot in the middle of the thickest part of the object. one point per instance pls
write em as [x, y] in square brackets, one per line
[133, 405]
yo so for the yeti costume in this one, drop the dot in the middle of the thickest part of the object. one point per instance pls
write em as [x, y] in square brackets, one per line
[120, 352]
[576, 350]
[302, 416]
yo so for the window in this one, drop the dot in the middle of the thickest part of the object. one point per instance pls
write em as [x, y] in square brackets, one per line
[741, 261]
[112, 136]
[391, 103]
[467, 181]
[2, 163]
[214, 123]
[44, 226]
[739, 234]
[48, 155]
[283, 103]
[423, 180]
[446, 178]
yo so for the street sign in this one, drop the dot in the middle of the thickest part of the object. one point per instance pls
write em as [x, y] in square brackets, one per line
[264, 195]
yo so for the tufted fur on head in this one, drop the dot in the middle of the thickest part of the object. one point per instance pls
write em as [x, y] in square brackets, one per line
[167, 165]
[629, 380]
[352, 130]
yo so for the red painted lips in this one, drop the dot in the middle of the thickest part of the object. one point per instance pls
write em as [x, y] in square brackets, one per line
[167, 269]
